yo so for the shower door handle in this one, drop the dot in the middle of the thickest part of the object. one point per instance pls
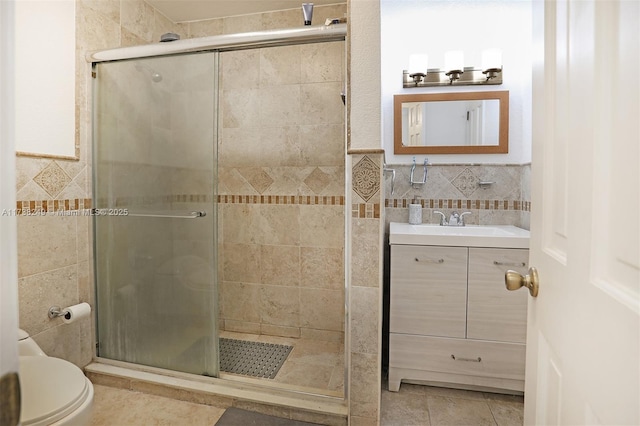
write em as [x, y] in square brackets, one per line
[192, 215]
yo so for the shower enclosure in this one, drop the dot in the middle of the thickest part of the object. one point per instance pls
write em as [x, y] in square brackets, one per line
[219, 200]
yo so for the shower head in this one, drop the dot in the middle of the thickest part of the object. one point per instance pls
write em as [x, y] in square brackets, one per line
[155, 76]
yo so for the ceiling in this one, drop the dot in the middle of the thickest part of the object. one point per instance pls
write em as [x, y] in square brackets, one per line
[195, 10]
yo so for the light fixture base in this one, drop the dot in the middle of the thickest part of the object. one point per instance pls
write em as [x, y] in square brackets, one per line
[492, 73]
[417, 77]
[454, 75]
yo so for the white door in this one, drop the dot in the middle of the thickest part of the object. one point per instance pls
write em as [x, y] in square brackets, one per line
[583, 336]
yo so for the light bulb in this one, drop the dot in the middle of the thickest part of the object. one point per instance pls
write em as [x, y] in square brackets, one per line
[491, 59]
[418, 63]
[454, 60]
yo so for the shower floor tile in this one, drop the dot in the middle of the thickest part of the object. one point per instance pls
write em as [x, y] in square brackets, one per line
[314, 366]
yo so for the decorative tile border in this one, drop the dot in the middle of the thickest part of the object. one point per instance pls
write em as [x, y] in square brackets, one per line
[329, 200]
[365, 211]
[358, 210]
[45, 206]
[326, 200]
[516, 205]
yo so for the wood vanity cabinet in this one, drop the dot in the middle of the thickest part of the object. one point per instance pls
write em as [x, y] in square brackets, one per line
[452, 321]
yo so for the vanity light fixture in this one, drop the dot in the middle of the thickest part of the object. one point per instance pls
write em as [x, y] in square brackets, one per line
[454, 72]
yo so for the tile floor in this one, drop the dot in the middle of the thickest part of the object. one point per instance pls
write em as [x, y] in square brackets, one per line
[416, 405]
[413, 406]
[121, 407]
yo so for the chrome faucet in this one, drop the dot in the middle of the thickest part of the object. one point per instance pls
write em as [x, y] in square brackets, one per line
[454, 220]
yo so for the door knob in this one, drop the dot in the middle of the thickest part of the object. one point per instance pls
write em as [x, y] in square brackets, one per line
[514, 280]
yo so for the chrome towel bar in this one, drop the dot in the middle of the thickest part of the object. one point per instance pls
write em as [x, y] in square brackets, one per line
[192, 215]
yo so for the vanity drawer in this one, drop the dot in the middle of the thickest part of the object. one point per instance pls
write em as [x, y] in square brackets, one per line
[457, 356]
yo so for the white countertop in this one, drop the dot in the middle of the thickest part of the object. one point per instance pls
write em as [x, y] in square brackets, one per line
[497, 236]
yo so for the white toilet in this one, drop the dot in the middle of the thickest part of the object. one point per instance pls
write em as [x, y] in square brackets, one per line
[53, 391]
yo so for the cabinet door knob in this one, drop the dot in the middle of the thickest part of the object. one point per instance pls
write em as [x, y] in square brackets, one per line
[514, 280]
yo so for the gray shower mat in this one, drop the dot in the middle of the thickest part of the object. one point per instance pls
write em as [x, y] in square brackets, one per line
[252, 358]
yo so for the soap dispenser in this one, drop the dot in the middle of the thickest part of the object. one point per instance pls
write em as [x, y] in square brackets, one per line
[415, 212]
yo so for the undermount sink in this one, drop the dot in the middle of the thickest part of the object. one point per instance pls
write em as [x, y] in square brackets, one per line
[505, 236]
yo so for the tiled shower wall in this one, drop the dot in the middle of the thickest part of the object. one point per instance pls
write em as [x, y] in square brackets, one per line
[54, 251]
[281, 185]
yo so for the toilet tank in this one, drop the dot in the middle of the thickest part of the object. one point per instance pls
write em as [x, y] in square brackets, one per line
[28, 346]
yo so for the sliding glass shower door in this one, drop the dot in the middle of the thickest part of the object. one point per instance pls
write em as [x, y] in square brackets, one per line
[155, 218]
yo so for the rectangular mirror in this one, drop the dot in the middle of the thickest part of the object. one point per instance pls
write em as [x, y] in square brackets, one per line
[451, 123]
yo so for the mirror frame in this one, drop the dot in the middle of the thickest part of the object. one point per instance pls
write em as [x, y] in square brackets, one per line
[503, 143]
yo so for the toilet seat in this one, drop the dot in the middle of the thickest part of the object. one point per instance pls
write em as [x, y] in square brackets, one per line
[52, 388]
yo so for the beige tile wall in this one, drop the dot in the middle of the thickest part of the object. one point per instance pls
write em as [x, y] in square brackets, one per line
[363, 130]
[54, 270]
[454, 187]
[281, 182]
[365, 291]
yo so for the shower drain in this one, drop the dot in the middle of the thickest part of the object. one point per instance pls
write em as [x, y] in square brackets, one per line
[252, 358]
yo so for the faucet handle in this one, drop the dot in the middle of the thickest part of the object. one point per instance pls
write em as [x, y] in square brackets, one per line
[461, 218]
[443, 218]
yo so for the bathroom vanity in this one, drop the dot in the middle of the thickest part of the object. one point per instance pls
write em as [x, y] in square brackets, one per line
[452, 321]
